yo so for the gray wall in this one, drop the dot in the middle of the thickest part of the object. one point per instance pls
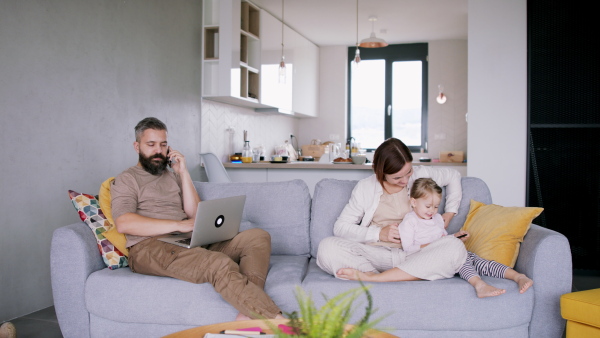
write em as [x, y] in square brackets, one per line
[75, 77]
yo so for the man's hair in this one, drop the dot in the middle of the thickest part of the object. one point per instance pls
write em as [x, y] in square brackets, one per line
[390, 157]
[148, 123]
[425, 187]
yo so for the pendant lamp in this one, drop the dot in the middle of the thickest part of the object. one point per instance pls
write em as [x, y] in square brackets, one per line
[357, 53]
[282, 70]
[373, 41]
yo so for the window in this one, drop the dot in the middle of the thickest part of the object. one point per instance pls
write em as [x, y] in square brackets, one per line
[387, 95]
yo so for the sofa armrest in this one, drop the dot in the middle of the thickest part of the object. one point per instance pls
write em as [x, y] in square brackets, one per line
[73, 257]
[545, 256]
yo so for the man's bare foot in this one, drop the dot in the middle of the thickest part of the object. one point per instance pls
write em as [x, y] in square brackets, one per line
[524, 282]
[484, 290]
[353, 274]
[241, 316]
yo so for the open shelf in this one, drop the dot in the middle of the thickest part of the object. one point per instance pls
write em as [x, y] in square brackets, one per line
[231, 66]
[253, 84]
[250, 22]
[211, 43]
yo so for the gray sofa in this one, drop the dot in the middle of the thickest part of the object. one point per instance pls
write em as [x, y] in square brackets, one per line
[93, 301]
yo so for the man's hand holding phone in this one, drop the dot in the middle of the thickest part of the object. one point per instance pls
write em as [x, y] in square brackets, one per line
[176, 160]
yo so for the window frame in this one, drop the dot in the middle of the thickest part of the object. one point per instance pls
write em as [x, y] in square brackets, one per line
[391, 53]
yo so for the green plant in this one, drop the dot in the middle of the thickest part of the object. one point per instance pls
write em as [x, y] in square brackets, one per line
[332, 318]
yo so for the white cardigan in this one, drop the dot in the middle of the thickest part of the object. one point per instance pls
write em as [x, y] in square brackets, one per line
[353, 223]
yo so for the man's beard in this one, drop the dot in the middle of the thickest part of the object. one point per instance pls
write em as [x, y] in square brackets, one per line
[153, 167]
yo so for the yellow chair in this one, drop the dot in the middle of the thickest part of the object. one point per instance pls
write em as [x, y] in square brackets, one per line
[582, 311]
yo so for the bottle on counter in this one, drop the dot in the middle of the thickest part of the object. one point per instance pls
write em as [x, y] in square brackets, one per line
[347, 152]
[247, 153]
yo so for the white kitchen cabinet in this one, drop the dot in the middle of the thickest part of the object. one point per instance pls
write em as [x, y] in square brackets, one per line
[305, 58]
[231, 52]
[299, 94]
[274, 93]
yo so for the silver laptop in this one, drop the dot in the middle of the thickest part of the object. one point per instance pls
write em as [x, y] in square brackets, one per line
[216, 220]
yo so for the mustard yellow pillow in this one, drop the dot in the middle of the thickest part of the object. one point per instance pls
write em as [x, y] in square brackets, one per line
[116, 238]
[496, 232]
[105, 200]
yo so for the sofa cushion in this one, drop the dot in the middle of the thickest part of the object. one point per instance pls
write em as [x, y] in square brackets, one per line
[172, 301]
[329, 199]
[281, 208]
[472, 188]
[176, 302]
[90, 212]
[285, 273]
[496, 232]
[442, 305]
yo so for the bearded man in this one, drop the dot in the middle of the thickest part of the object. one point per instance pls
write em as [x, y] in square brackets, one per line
[150, 201]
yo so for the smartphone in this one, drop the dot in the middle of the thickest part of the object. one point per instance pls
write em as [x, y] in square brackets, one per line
[461, 236]
[168, 158]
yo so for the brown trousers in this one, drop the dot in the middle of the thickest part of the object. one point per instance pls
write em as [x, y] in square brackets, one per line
[236, 268]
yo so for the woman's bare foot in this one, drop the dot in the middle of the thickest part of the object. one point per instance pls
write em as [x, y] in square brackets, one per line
[524, 282]
[353, 274]
[241, 316]
[483, 289]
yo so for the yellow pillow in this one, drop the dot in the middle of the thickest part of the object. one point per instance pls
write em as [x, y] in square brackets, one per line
[496, 232]
[117, 239]
[104, 199]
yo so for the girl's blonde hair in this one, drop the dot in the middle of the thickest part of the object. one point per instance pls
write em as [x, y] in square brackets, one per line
[424, 187]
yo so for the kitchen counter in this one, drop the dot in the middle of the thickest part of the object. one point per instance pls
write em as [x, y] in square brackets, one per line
[331, 166]
[311, 172]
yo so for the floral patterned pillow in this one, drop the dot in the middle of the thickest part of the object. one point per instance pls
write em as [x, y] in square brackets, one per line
[90, 212]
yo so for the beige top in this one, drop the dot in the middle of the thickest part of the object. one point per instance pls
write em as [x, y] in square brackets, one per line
[391, 210]
[137, 191]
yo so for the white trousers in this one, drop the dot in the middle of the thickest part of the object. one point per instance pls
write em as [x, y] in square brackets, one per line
[440, 259]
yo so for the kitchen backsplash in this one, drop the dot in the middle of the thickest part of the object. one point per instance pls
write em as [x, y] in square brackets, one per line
[263, 129]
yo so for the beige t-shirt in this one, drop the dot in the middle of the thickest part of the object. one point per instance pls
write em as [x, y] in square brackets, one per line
[391, 210]
[137, 191]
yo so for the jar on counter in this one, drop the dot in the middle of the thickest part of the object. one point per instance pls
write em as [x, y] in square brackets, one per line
[247, 153]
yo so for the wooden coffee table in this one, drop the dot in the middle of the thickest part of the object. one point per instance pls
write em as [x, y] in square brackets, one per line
[199, 332]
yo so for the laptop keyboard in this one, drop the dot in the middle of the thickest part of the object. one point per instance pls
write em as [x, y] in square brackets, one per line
[185, 241]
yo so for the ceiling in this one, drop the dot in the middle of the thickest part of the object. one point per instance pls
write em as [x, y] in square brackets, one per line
[333, 22]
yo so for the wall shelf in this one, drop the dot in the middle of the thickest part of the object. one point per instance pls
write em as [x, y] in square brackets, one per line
[231, 51]
[211, 43]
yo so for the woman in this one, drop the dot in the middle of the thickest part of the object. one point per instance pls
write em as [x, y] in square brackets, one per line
[366, 232]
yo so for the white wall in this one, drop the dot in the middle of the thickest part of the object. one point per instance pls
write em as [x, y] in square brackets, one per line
[448, 64]
[498, 97]
[77, 75]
